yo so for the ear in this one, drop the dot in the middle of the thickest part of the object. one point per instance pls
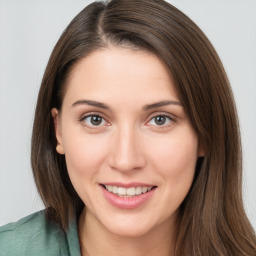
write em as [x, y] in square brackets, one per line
[57, 127]
[201, 151]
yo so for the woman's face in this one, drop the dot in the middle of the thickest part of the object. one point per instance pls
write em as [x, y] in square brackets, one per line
[129, 146]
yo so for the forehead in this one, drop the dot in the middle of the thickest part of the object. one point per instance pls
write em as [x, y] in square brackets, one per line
[120, 72]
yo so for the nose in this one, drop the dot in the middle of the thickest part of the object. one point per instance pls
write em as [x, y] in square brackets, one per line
[127, 150]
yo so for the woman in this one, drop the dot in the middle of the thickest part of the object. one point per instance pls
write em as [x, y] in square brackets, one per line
[135, 146]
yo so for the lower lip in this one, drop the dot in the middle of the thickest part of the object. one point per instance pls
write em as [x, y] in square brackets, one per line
[127, 202]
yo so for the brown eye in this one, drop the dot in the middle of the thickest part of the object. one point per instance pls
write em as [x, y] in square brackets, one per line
[159, 120]
[94, 120]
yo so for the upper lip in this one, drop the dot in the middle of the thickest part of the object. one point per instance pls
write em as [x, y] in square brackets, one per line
[128, 185]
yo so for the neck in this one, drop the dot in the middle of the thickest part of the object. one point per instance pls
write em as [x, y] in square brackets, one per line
[95, 240]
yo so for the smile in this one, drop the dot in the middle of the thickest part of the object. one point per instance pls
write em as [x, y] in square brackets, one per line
[127, 196]
[127, 192]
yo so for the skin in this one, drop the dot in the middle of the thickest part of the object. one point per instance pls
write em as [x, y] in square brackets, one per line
[127, 145]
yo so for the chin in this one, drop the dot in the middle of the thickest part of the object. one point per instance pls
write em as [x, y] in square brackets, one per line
[131, 232]
[129, 228]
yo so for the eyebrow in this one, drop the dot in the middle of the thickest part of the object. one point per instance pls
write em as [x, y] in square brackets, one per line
[145, 108]
[161, 104]
[91, 103]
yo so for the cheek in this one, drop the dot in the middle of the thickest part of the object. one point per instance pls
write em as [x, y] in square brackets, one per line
[84, 157]
[175, 161]
[175, 158]
[84, 153]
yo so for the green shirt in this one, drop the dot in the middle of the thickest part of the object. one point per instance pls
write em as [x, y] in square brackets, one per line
[34, 235]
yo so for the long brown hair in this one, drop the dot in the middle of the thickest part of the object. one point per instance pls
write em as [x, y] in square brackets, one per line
[212, 218]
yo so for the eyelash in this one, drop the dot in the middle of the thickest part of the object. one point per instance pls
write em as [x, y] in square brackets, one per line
[90, 115]
[103, 119]
[162, 115]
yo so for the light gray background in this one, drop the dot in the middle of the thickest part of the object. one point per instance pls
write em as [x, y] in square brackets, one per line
[28, 32]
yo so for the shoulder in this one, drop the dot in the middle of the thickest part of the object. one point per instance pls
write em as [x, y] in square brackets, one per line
[32, 235]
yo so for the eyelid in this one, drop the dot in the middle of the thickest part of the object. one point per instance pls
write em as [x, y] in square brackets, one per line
[155, 114]
[172, 118]
[85, 115]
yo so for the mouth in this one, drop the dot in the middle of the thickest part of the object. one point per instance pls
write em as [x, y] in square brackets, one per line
[128, 192]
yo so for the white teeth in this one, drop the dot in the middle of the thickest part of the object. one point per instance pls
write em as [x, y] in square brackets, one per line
[127, 192]
[130, 191]
[144, 189]
[121, 191]
[114, 190]
[138, 191]
[109, 188]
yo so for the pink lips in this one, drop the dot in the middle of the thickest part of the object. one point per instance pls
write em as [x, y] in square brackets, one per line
[127, 202]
